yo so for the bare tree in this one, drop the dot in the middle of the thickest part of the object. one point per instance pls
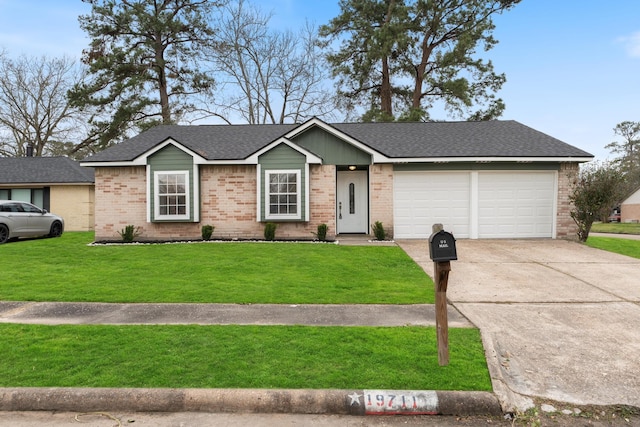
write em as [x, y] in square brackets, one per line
[267, 76]
[33, 105]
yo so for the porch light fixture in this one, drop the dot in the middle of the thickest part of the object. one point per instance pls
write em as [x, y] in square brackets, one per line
[352, 167]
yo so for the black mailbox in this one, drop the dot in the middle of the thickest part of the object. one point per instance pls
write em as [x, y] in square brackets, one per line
[442, 246]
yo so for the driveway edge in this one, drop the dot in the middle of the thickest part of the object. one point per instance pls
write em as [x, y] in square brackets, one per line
[294, 401]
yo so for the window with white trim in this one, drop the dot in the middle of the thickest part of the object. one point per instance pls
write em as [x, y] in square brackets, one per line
[283, 194]
[172, 195]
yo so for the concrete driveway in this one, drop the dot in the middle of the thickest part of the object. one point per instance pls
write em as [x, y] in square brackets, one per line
[559, 320]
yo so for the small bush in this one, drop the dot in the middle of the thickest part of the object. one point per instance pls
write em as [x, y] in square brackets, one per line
[207, 231]
[378, 231]
[321, 234]
[270, 231]
[129, 233]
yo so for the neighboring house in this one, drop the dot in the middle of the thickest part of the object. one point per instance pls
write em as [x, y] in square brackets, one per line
[493, 179]
[630, 208]
[57, 184]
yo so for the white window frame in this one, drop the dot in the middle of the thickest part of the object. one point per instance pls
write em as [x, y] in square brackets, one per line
[156, 196]
[267, 193]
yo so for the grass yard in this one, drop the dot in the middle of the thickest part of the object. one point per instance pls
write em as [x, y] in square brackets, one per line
[193, 356]
[239, 357]
[66, 269]
[616, 227]
[612, 244]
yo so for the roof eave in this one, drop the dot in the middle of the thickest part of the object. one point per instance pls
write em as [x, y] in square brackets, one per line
[44, 184]
[477, 159]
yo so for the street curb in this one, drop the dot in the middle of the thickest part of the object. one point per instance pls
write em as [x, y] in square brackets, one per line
[294, 401]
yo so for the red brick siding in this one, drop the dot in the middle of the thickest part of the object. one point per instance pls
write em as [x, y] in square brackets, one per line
[228, 199]
[566, 228]
[120, 200]
[228, 202]
[322, 195]
[381, 196]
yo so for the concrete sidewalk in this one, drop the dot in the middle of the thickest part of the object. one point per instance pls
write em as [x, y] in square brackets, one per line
[352, 402]
[55, 313]
[559, 320]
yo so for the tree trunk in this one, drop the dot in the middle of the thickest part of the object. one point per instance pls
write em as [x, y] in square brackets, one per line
[385, 89]
[385, 86]
[421, 68]
[162, 81]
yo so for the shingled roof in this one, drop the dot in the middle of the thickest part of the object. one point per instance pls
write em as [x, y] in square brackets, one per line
[43, 170]
[393, 140]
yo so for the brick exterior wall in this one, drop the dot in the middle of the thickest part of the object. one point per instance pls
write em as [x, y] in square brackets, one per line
[121, 199]
[228, 198]
[381, 196]
[566, 228]
[322, 195]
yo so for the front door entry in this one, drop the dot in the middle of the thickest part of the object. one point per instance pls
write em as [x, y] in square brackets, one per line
[352, 207]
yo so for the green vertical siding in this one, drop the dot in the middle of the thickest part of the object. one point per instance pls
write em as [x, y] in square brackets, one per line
[331, 149]
[171, 158]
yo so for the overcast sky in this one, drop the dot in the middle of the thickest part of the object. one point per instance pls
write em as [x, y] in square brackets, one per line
[572, 66]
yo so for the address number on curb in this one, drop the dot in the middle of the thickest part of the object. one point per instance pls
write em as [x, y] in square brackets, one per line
[400, 402]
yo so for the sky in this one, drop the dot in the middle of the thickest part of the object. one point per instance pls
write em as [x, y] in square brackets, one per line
[572, 66]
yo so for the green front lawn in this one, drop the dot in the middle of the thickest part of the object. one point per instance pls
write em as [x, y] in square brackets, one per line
[66, 269]
[616, 227]
[239, 357]
[612, 244]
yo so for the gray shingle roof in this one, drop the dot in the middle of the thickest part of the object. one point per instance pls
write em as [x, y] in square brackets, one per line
[459, 139]
[394, 140]
[43, 170]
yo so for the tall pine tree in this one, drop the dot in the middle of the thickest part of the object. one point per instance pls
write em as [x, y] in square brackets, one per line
[400, 58]
[143, 63]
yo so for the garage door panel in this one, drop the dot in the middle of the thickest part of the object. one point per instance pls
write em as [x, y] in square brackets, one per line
[426, 198]
[509, 204]
[521, 205]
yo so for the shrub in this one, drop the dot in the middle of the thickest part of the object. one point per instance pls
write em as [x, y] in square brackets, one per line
[207, 231]
[321, 234]
[270, 231]
[378, 231]
[129, 233]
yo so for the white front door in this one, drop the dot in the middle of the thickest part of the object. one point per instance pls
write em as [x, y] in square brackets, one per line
[352, 207]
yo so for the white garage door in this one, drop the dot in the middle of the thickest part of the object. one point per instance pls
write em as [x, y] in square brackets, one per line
[422, 199]
[515, 204]
[474, 204]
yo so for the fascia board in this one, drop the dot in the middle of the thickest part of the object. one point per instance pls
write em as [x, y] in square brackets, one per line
[141, 160]
[44, 184]
[110, 164]
[487, 159]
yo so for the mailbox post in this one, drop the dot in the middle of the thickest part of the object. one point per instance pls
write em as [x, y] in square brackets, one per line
[442, 250]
